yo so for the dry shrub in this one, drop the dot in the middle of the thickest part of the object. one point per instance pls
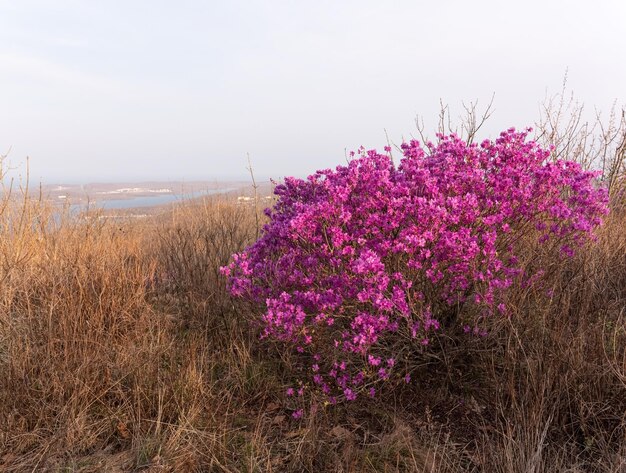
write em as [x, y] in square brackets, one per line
[192, 242]
[92, 363]
[79, 338]
[556, 379]
[544, 391]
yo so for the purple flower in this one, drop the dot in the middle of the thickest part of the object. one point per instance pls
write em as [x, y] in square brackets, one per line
[372, 360]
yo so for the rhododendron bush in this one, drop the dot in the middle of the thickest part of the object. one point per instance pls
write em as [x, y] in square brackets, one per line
[359, 266]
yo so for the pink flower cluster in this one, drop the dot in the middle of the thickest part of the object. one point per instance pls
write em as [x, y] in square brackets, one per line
[358, 266]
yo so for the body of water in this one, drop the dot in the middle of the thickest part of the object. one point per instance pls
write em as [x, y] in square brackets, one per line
[145, 201]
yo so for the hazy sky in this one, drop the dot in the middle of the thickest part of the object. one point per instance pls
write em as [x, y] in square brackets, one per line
[138, 89]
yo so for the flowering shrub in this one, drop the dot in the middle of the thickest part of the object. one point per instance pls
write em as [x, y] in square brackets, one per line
[358, 266]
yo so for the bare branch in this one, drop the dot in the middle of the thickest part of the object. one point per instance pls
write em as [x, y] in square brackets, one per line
[256, 197]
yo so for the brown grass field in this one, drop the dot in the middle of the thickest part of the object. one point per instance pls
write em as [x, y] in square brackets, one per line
[120, 350]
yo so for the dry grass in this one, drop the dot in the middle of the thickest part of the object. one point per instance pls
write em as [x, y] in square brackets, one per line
[120, 350]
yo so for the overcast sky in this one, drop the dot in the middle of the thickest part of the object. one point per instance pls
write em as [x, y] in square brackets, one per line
[147, 89]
